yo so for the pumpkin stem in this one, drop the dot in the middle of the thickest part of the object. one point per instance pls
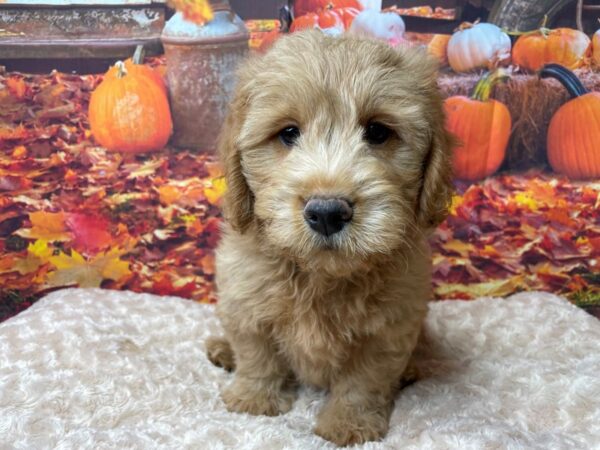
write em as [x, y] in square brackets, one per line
[138, 55]
[483, 88]
[121, 70]
[543, 30]
[466, 25]
[567, 78]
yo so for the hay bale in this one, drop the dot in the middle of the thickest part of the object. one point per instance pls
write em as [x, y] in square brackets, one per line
[532, 103]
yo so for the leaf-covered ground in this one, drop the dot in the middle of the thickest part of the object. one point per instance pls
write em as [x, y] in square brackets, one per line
[72, 213]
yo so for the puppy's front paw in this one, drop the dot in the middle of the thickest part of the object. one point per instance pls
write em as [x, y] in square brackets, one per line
[219, 353]
[351, 425]
[244, 397]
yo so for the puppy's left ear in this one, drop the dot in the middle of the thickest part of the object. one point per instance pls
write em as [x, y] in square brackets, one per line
[437, 188]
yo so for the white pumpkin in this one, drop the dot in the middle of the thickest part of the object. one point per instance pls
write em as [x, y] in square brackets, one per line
[371, 4]
[596, 48]
[477, 46]
[385, 26]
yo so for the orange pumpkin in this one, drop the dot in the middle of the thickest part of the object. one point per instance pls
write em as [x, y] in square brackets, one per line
[596, 48]
[302, 7]
[328, 18]
[438, 47]
[129, 112]
[347, 14]
[482, 126]
[135, 66]
[269, 40]
[309, 20]
[563, 46]
[574, 131]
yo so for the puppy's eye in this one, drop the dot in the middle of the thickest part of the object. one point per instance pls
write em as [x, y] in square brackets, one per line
[376, 133]
[289, 135]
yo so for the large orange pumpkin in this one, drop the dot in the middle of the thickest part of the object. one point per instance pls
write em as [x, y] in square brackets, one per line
[129, 112]
[574, 131]
[482, 127]
[563, 46]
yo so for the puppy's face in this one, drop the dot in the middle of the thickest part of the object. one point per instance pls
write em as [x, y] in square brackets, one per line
[335, 149]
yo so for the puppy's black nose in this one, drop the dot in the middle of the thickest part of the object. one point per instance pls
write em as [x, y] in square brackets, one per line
[327, 216]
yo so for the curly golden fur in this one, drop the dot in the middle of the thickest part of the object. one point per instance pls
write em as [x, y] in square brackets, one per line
[341, 312]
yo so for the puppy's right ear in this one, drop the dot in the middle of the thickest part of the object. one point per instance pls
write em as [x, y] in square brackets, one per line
[238, 200]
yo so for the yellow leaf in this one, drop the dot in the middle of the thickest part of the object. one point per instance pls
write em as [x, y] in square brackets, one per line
[460, 247]
[47, 226]
[214, 192]
[526, 200]
[74, 269]
[493, 288]
[38, 254]
[457, 200]
[40, 249]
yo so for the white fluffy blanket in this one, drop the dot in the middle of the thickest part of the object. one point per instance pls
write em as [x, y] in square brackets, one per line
[103, 369]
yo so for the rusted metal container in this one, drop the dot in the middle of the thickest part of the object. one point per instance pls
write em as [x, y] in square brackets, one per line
[201, 66]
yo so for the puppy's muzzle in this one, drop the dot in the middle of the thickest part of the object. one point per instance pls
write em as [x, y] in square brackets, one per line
[327, 216]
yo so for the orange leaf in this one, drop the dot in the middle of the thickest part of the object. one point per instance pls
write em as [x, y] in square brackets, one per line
[17, 87]
[168, 194]
[208, 264]
[13, 133]
[20, 152]
[47, 226]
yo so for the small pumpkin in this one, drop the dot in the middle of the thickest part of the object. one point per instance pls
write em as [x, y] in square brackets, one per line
[347, 14]
[129, 112]
[596, 48]
[564, 46]
[328, 18]
[302, 7]
[135, 66]
[479, 45]
[482, 126]
[384, 26]
[438, 47]
[269, 39]
[306, 21]
[574, 132]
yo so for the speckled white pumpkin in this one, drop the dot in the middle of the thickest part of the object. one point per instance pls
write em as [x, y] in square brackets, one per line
[596, 47]
[477, 46]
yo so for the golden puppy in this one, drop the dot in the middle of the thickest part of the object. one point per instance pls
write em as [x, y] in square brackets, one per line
[336, 161]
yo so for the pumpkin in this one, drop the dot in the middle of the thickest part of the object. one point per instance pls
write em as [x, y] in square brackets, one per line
[302, 7]
[574, 131]
[384, 26]
[309, 20]
[474, 46]
[596, 48]
[563, 46]
[347, 14]
[135, 66]
[438, 47]
[129, 112]
[482, 127]
[328, 18]
[269, 40]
